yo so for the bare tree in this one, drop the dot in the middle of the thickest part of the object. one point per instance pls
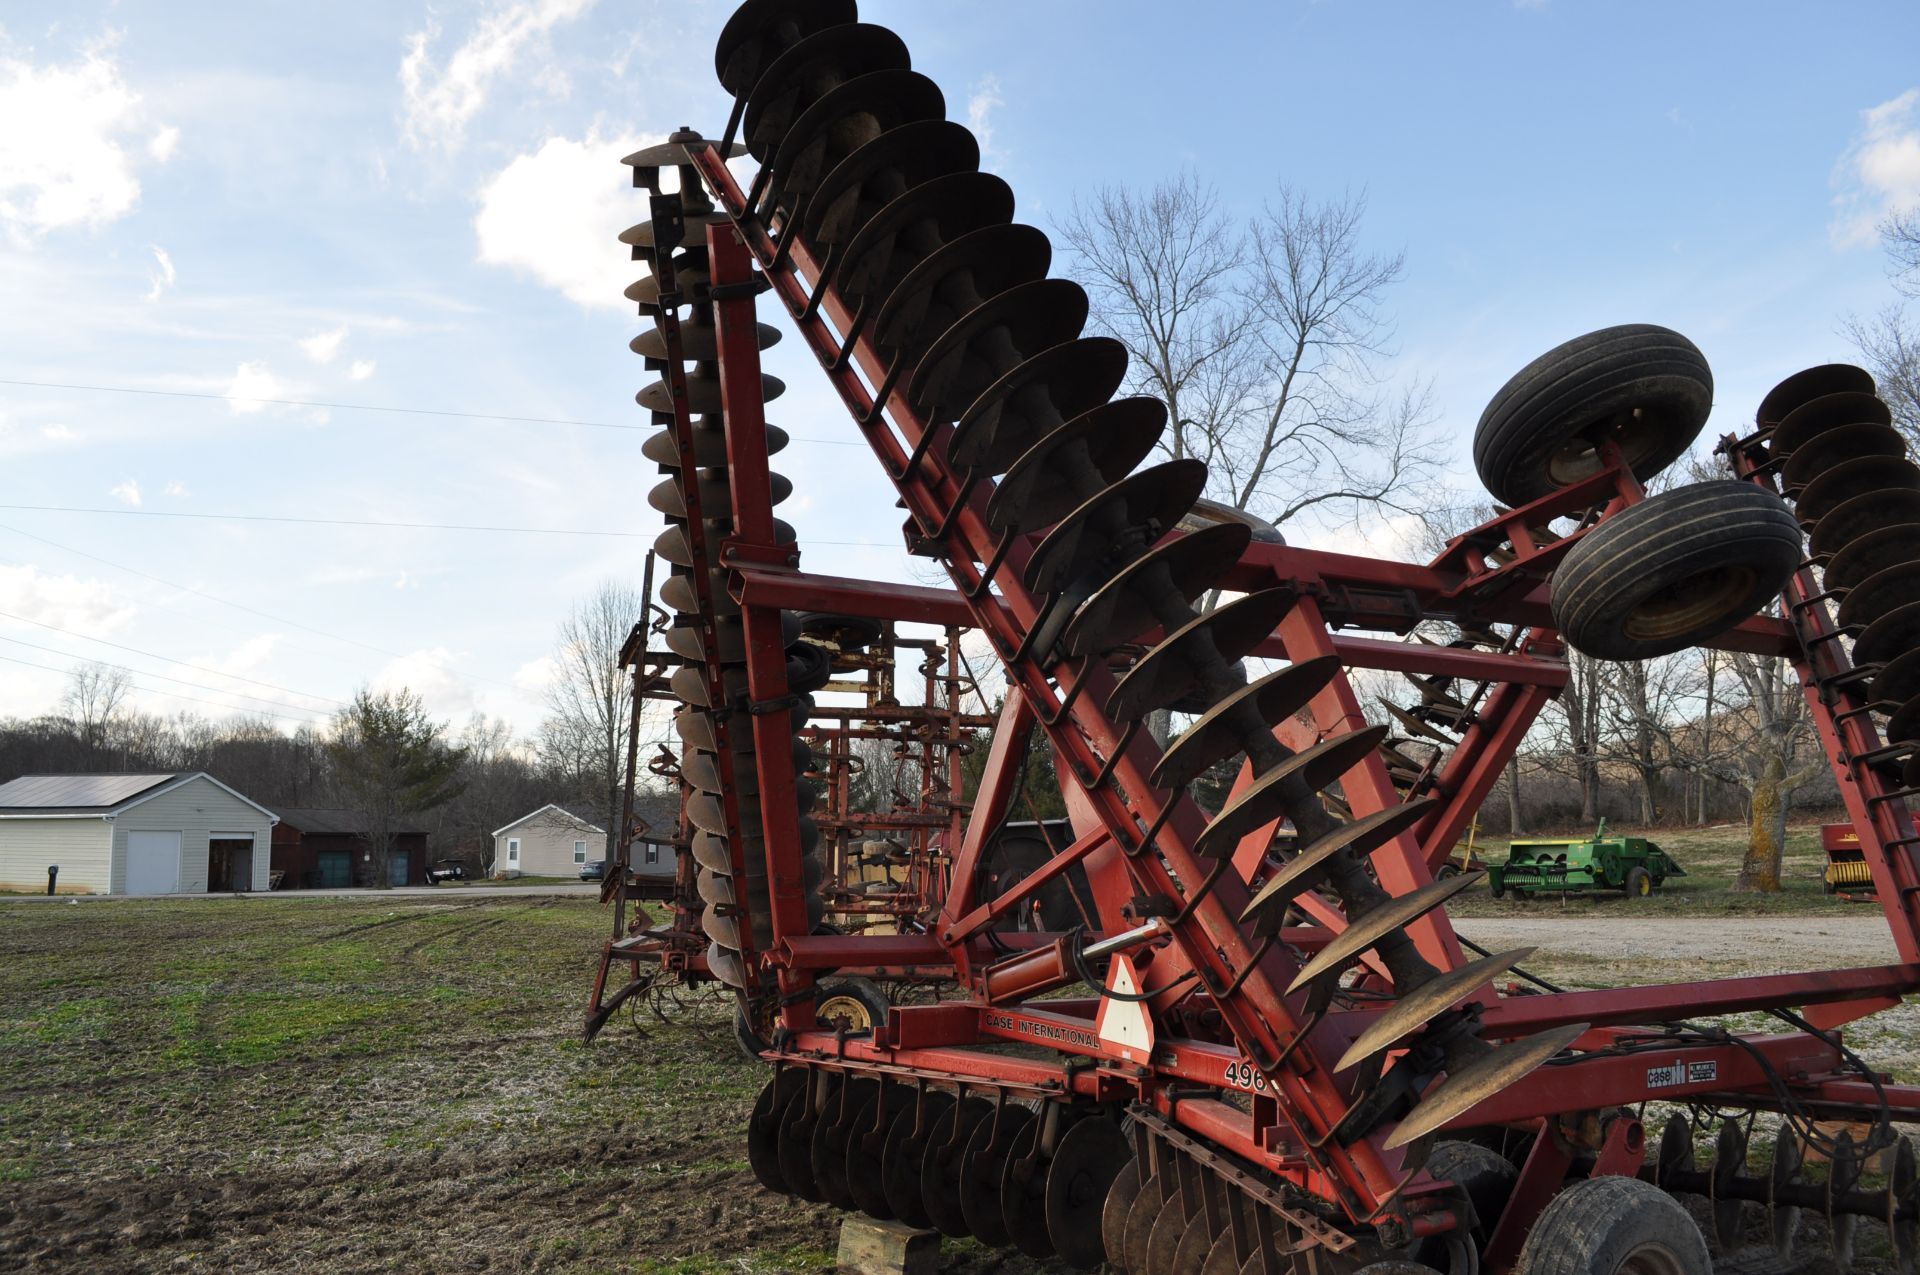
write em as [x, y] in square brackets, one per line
[589, 699]
[1900, 234]
[93, 700]
[1770, 737]
[1890, 343]
[1265, 343]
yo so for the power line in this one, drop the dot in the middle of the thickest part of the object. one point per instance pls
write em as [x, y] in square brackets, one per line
[200, 593]
[327, 522]
[313, 713]
[297, 721]
[167, 659]
[371, 407]
[371, 522]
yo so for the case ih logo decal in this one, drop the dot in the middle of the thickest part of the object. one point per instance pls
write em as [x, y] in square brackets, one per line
[1043, 1031]
[1683, 1073]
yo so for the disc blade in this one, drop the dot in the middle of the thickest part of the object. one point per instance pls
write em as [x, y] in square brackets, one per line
[1852, 478]
[1050, 478]
[891, 242]
[1872, 553]
[1218, 735]
[1486, 1076]
[1022, 320]
[1895, 633]
[1123, 607]
[1036, 397]
[1413, 725]
[1898, 680]
[1835, 446]
[1391, 917]
[1828, 411]
[1414, 1010]
[1316, 767]
[1805, 386]
[1865, 513]
[1087, 1162]
[1151, 500]
[1165, 675]
[1878, 594]
[1305, 869]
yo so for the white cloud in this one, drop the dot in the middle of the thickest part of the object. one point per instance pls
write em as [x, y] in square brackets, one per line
[360, 370]
[1880, 172]
[321, 347]
[85, 606]
[429, 674]
[981, 104]
[165, 142]
[536, 675]
[61, 159]
[557, 215]
[177, 489]
[441, 100]
[59, 433]
[128, 492]
[163, 275]
[252, 385]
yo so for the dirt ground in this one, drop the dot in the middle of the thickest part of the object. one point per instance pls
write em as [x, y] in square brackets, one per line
[396, 1084]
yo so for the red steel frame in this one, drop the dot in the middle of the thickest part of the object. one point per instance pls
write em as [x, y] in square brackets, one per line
[1296, 1098]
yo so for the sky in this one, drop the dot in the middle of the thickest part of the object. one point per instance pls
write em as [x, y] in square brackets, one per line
[239, 225]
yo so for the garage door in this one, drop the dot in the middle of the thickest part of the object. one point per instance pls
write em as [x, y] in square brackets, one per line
[153, 862]
[336, 869]
[399, 867]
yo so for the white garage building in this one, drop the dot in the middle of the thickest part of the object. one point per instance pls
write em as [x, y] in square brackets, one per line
[184, 833]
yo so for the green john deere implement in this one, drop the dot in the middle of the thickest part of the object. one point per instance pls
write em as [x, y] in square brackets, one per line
[1633, 865]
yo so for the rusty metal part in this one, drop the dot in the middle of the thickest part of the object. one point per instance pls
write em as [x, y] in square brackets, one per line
[698, 343]
[1862, 515]
[1837, 446]
[1308, 868]
[1121, 1194]
[1036, 397]
[1829, 411]
[1783, 1219]
[1413, 1011]
[1414, 725]
[809, 71]
[1895, 633]
[1216, 736]
[1124, 607]
[1879, 594]
[1268, 799]
[1368, 929]
[961, 276]
[1852, 478]
[1150, 501]
[1167, 673]
[1487, 1075]
[1047, 481]
[969, 356]
[1082, 1174]
[703, 394]
[871, 178]
[760, 30]
[709, 445]
[896, 237]
[1872, 553]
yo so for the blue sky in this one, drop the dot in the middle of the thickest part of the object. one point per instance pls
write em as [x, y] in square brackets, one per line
[411, 205]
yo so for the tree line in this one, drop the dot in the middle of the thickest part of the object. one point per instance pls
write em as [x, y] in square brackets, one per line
[382, 755]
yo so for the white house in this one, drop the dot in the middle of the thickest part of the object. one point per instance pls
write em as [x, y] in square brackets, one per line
[550, 842]
[184, 833]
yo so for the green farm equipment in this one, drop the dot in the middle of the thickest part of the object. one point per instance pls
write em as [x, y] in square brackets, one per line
[1633, 865]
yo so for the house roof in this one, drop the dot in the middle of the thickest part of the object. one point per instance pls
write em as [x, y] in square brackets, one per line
[74, 794]
[338, 823]
[558, 809]
[44, 796]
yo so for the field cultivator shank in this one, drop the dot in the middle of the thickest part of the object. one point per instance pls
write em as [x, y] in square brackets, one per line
[1284, 1059]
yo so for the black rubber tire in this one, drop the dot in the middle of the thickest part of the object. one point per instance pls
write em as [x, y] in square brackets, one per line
[1593, 1226]
[1483, 1173]
[1675, 570]
[1636, 879]
[1646, 386]
[864, 991]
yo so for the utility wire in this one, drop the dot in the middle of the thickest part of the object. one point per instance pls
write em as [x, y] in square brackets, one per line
[314, 713]
[199, 593]
[371, 407]
[297, 721]
[373, 522]
[325, 522]
[167, 659]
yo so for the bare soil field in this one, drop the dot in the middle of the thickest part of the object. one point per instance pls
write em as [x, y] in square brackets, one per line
[396, 1084]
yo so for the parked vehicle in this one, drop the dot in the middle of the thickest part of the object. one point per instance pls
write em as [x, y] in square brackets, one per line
[446, 870]
[595, 871]
[1633, 865]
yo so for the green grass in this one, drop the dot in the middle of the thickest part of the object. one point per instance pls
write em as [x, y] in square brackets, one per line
[331, 1053]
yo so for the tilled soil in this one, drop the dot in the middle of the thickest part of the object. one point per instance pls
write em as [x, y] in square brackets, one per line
[397, 1085]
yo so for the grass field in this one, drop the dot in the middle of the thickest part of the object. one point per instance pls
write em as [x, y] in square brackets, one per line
[361, 1085]
[1711, 858]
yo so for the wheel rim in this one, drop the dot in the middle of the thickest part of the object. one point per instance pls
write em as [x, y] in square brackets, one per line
[845, 1011]
[1698, 601]
[1651, 1259]
[1635, 431]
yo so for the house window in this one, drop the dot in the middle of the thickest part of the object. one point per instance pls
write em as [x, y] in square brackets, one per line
[579, 852]
[513, 850]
